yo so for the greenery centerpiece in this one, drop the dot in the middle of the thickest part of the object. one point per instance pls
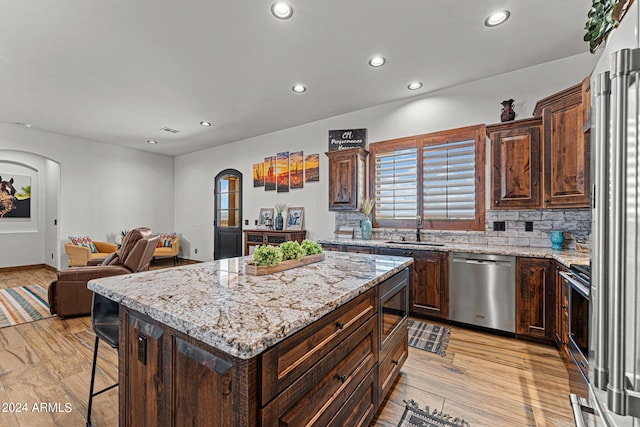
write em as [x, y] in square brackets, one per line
[272, 259]
[604, 16]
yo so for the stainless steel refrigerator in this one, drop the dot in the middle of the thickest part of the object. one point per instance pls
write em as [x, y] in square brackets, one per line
[614, 319]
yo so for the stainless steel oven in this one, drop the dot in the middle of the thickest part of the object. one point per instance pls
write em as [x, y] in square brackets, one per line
[394, 305]
[578, 278]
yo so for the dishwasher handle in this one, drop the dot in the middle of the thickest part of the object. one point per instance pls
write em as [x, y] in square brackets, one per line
[482, 261]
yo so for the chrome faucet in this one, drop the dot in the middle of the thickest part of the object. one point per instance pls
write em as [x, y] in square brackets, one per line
[418, 225]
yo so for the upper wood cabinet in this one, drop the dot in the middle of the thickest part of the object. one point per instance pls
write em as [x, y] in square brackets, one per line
[347, 179]
[516, 171]
[565, 150]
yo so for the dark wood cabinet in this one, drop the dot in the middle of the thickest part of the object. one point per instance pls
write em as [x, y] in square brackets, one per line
[562, 311]
[535, 298]
[271, 237]
[586, 104]
[359, 249]
[430, 287]
[516, 169]
[565, 150]
[347, 179]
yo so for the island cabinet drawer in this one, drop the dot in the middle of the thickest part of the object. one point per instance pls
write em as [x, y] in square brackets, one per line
[318, 395]
[296, 355]
[361, 406]
[389, 367]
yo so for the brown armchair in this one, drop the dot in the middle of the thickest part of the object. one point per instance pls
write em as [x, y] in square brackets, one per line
[69, 295]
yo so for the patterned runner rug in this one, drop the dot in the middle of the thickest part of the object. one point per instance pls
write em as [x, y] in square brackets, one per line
[23, 304]
[415, 417]
[433, 338]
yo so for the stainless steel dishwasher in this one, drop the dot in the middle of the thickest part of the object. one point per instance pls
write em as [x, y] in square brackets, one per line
[482, 290]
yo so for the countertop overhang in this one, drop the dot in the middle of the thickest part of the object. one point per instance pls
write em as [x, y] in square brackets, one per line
[565, 256]
[219, 304]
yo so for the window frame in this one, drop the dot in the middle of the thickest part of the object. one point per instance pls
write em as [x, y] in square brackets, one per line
[477, 133]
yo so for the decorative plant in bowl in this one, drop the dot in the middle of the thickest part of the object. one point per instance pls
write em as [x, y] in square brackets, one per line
[366, 228]
[279, 221]
[272, 259]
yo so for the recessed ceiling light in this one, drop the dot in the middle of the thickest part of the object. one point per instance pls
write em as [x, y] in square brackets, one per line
[497, 18]
[206, 124]
[298, 88]
[414, 85]
[281, 10]
[151, 141]
[377, 61]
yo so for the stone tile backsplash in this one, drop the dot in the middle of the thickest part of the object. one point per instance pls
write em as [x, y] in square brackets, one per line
[576, 223]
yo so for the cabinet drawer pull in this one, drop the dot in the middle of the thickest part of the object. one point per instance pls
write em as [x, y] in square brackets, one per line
[565, 306]
[340, 325]
[395, 362]
[342, 378]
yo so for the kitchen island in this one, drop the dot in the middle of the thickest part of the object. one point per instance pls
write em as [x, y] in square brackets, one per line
[209, 344]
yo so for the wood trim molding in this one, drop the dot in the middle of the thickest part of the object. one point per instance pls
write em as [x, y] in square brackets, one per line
[552, 99]
[497, 127]
[27, 267]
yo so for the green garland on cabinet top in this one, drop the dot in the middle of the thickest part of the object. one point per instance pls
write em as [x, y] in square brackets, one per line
[604, 16]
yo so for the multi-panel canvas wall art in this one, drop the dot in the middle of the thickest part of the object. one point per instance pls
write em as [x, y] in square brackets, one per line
[15, 196]
[296, 170]
[269, 173]
[283, 172]
[258, 174]
[312, 167]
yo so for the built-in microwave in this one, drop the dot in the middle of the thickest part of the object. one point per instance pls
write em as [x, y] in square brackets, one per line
[394, 306]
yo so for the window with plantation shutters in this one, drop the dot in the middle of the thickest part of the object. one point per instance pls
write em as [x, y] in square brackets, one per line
[396, 184]
[438, 176]
[448, 180]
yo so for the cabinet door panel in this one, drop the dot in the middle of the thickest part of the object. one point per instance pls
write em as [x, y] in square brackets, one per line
[202, 387]
[430, 286]
[566, 153]
[516, 167]
[144, 349]
[535, 290]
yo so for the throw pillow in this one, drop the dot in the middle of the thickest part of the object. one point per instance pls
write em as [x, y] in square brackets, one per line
[84, 241]
[166, 240]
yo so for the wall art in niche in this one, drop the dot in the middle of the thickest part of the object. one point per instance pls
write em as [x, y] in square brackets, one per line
[269, 173]
[258, 174]
[296, 172]
[312, 168]
[15, 196]
[283, 172]
[295, 219]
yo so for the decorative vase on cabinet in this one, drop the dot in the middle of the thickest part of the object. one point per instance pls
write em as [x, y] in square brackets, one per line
[279, 222]
[366, 229]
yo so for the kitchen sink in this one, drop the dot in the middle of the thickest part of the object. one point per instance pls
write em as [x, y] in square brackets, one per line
[404, 242]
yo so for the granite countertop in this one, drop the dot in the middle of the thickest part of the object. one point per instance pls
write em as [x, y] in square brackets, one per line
[243, 315]
[565, 256]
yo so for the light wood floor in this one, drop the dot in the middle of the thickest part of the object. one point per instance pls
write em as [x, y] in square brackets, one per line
[486, 379]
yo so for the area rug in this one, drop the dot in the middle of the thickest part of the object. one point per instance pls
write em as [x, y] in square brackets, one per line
[413, 416]
[23, 304]
[433, 338]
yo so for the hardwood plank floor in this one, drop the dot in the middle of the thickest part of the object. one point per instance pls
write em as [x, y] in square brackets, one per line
[486, 379]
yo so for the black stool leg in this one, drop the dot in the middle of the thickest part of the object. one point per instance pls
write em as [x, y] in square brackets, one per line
[93, 378]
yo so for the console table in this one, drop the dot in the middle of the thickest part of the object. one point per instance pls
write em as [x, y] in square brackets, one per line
[271, 237]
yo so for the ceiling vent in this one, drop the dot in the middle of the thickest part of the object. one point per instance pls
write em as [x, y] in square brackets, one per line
[166, 129]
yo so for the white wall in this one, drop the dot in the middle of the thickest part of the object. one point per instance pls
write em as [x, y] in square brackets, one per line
[463, 105]
[104, 189]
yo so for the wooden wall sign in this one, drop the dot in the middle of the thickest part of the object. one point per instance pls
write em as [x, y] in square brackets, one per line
[347, 138]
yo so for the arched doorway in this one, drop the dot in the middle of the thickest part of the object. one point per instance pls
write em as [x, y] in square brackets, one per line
[227, 234]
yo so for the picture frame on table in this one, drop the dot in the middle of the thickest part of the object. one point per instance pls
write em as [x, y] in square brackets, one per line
[265, 219]
[295, 218]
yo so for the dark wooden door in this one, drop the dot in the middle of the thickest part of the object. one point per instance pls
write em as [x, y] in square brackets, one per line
[429, 294]
[347, 179]
[535, 298]
[516, 170]
[227, 240]
[566, 152]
